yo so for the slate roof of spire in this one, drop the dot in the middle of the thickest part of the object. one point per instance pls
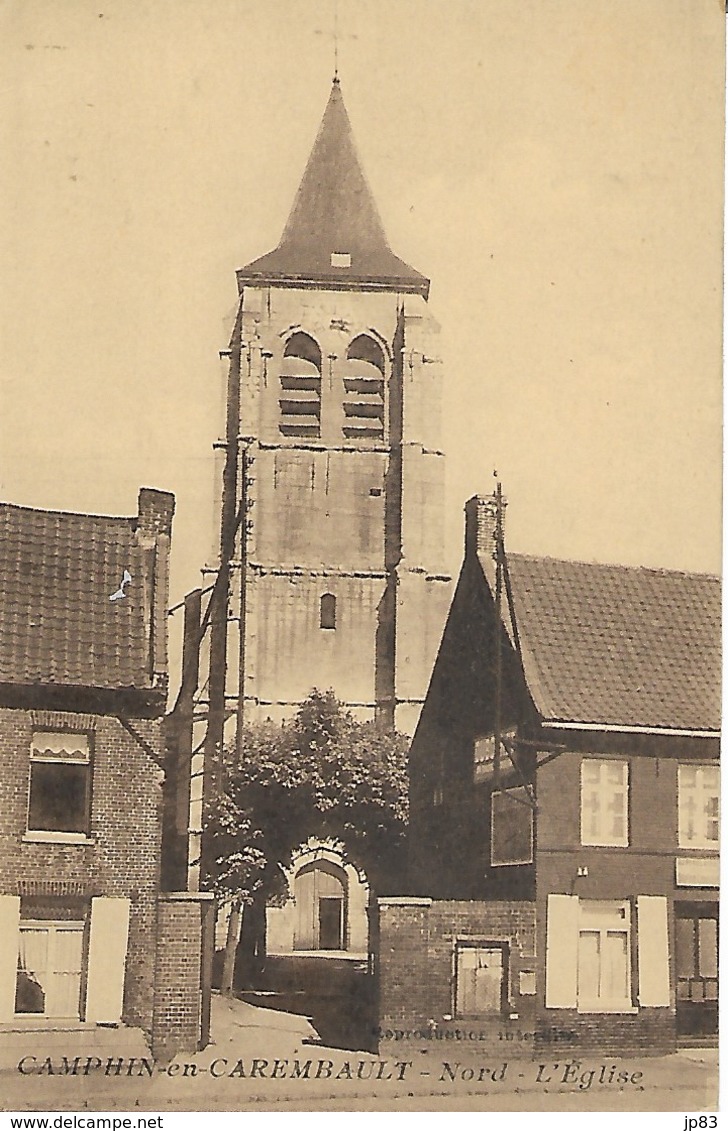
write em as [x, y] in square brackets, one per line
[334, 212]
[618, 645]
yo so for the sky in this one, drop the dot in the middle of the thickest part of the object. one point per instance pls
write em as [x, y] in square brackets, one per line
[554, 166]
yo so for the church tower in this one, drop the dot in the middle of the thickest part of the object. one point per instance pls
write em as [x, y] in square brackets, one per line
[339, 392]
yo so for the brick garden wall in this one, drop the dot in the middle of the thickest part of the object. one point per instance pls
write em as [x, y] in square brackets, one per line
[177, 998]
[415, 941]
[650, 1032]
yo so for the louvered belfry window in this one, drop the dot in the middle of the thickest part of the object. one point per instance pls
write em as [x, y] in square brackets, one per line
[300, 389]
[364, 390]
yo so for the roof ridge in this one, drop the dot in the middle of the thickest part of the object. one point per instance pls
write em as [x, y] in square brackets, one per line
[663, 570]
[67, 514]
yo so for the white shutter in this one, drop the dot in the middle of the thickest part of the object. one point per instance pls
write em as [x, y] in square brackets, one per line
[652, 950]
[9, 920]
[107, 959]
[562, 950]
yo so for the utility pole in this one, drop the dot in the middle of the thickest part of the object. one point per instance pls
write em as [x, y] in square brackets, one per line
[230, 520]
[246, 503]
[179, 725]
[498, 557]
[236, 910]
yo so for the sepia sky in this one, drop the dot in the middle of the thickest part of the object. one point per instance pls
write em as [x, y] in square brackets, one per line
[554, 166]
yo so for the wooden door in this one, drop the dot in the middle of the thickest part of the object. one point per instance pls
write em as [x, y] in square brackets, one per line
[481, 979]
[696, 967]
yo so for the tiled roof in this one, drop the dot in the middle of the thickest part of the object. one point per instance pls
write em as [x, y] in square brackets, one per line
[334, 211]
[57, 573]
[617, 645]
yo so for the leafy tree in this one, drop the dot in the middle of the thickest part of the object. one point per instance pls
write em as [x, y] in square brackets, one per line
[322, 775]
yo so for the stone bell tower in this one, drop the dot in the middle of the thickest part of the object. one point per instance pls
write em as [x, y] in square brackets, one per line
[339, 405]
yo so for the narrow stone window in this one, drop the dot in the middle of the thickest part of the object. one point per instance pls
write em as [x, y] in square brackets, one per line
[327, 612]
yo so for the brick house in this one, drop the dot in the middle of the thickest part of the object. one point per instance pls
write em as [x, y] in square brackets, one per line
[571, 890]
[85, 938]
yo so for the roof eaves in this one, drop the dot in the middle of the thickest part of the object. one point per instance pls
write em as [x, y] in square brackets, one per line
[623, 728]
[403, 284]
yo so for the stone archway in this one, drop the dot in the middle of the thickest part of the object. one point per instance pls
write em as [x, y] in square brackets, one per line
[326, 911]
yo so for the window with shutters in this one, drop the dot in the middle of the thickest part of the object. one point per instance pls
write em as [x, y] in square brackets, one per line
[300, 388]
[603, 962]
[604, 798]
[363, 399]
[698, 806]
[60, 784]
[50, 959]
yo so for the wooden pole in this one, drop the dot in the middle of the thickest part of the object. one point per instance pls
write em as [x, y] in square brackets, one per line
[498, 555]
[245, 504]
[218, 610]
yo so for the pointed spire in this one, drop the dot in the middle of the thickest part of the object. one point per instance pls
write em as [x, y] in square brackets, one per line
[334, 231]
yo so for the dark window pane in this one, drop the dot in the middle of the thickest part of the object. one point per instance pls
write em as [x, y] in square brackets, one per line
[685, 947]
[59, 797]
[328, 611]
[29, 994]
[512, 827]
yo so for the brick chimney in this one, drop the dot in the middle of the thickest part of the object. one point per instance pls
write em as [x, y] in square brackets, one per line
[480, 521]
[480, 514]
[155, 509]
[153, 532]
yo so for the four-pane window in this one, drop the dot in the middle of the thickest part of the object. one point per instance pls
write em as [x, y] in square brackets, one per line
[698, 806]
[604, 794]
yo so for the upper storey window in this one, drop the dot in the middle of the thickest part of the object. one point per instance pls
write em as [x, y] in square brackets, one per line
[604, 802]
[698, 806]
[60, 783]
[300, 391]
[364, 390]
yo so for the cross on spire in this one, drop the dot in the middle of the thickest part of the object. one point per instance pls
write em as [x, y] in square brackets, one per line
[336, 37]
[336, 40]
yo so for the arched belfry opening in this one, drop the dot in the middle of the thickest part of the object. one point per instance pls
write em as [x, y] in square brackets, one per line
[300, 388]
[364, 390]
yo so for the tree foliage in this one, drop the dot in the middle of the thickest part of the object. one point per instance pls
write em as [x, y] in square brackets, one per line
[322, 775]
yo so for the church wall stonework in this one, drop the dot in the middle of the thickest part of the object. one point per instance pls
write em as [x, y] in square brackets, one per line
[358, 518]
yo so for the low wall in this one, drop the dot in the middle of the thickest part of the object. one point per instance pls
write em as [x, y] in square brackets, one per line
[648, 1032]
[178, 981]
[415, 942]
